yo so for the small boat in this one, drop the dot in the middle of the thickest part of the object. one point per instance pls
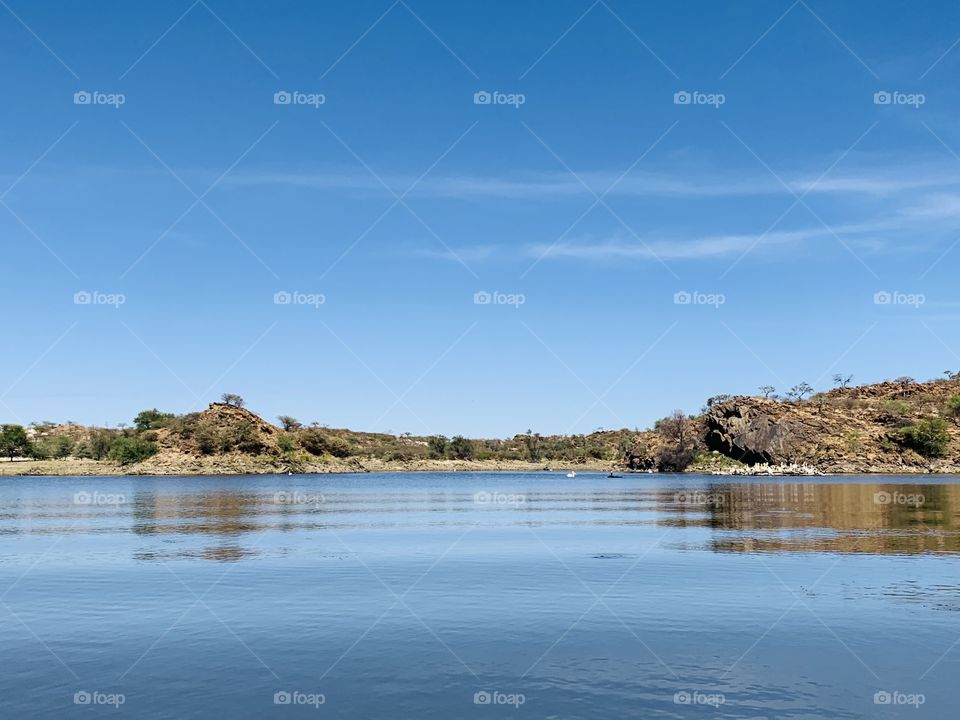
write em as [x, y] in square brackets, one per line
[571, 474]
[611, 475]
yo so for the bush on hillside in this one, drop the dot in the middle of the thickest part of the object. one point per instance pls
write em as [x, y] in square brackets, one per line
[127, 450]
[928, 437]
[317, 442]
[461, 448]
[953, 406]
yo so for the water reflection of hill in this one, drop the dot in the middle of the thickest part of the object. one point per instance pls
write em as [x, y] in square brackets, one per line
[814, 516]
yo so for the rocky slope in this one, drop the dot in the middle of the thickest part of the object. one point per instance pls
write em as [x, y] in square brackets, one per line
[847, 430]
[890, 427]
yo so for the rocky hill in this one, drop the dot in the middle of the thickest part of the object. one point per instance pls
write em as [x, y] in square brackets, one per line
[891, 427]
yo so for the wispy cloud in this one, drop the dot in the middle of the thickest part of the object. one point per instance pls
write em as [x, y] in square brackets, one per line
[690, 248]
[875, 181]
[882, 234]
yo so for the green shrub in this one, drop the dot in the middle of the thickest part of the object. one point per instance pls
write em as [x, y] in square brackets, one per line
[317, 442]
[14, 441]
[461, 448]
[286, 443]
[61, 447]
[126, 450]
[953, 406]
[928, 437]
[207, 439]
[896, 407]
[438, 446]
[152, 419]
[243, 437]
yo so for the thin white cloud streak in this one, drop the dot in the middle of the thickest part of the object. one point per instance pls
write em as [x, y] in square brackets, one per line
[696, 248]
[876, 181]
[705, 248]
[874, 236]
[558, 186]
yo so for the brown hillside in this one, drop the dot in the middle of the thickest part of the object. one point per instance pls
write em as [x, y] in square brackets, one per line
[848, 430]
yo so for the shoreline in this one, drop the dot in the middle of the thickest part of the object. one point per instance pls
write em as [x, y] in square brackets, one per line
[239, 467]
[255, 466]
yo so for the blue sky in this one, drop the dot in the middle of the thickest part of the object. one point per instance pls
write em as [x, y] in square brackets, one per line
[809, 222]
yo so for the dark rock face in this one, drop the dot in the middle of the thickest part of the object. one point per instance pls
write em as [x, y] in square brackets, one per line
[746, 433]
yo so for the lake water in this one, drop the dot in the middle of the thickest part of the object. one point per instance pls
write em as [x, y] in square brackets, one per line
[479, 595]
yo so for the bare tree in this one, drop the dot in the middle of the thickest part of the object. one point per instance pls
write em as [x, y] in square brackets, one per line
[681, 449]
[232, 399]
[289, 423]
[674, 427]
[767, 390]
[842, 381]
[904, 381]
[797, 392]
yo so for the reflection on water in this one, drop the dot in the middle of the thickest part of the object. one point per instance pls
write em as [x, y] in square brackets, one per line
[850, 516]
[864, 517]
[409, 595]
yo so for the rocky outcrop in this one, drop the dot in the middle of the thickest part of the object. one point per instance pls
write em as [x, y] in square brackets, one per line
[748, 430]
[848, 430]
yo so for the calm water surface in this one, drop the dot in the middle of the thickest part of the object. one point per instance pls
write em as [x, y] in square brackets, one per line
[479, 595]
